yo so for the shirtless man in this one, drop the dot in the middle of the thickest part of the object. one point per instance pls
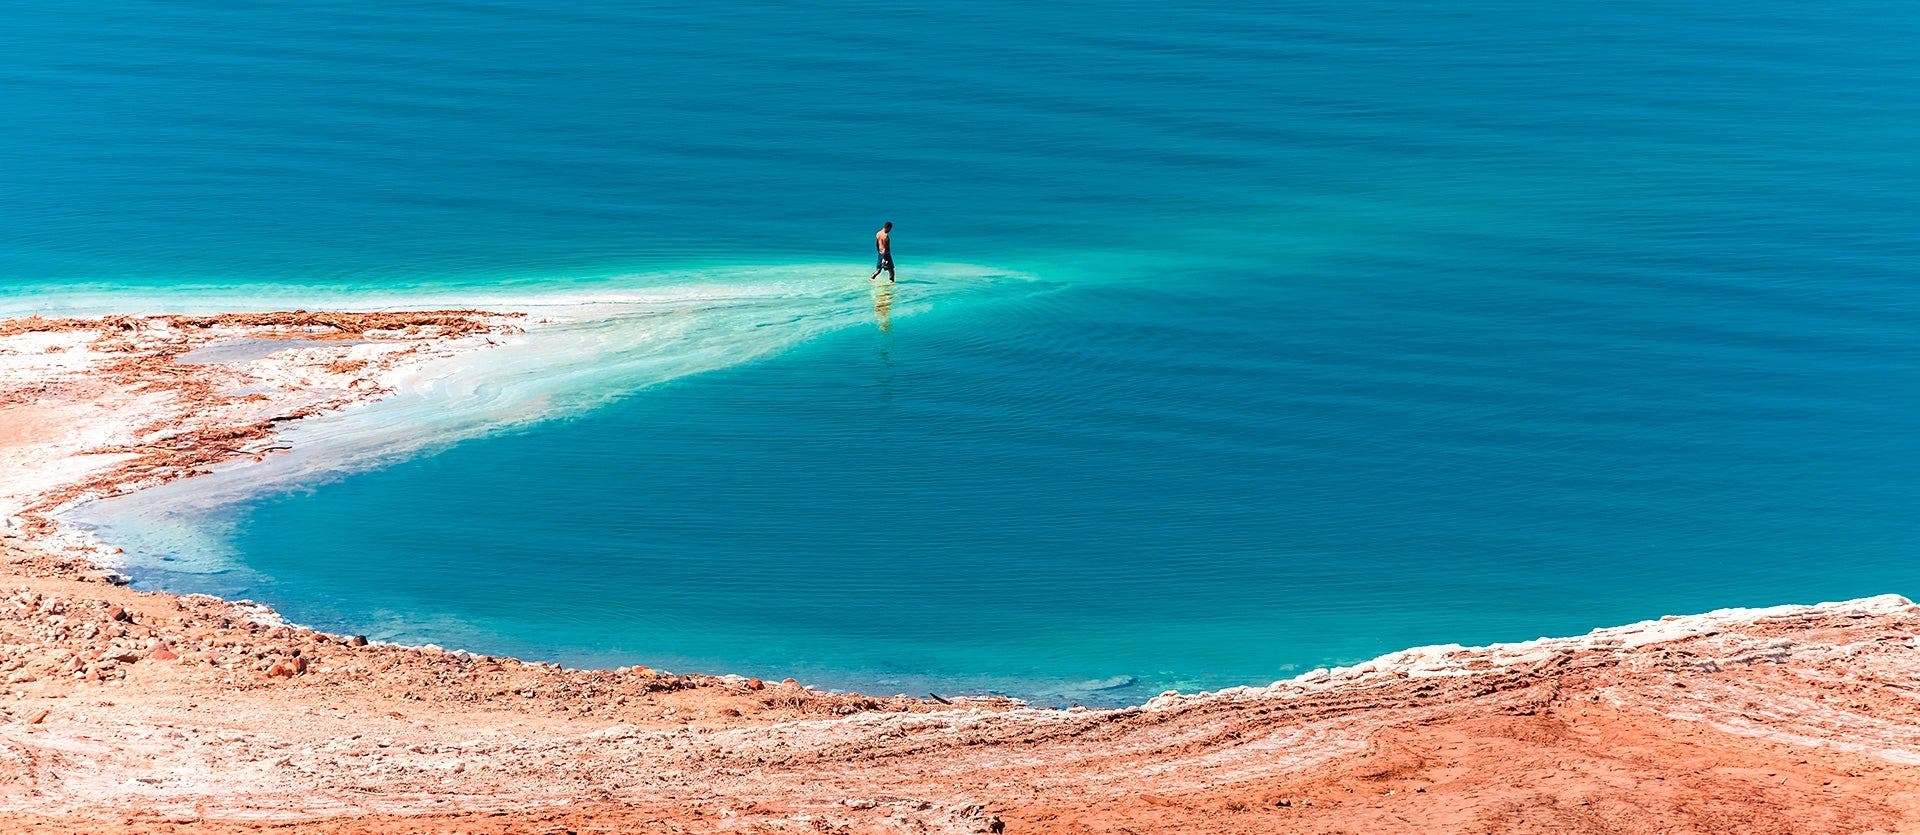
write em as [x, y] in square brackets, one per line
[882, 243]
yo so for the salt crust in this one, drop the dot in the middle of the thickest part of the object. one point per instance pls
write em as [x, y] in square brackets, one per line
[1452, 660]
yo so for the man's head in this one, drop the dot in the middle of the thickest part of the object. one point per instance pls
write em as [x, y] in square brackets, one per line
[887, 226]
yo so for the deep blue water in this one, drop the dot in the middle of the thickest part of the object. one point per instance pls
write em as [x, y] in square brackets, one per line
[1342, 327]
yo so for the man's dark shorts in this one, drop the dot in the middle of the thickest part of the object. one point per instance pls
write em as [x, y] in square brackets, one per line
[885, 262]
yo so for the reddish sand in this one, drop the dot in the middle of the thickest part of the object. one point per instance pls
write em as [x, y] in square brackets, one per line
[129, 711]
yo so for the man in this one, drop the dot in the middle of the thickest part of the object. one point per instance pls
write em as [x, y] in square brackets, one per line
[882, 241]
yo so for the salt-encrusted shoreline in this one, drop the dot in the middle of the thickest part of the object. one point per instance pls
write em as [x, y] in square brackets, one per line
[135, 711]
[101, 407]
[1451, 660]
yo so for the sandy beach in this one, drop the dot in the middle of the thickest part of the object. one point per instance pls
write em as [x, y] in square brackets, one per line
[148, 712]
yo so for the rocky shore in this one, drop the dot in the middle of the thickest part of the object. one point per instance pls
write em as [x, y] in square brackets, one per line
[128, 711]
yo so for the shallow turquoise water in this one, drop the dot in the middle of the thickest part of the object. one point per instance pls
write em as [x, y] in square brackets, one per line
[1230, 342]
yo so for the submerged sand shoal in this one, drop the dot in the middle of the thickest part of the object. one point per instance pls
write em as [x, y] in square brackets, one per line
[148, 712]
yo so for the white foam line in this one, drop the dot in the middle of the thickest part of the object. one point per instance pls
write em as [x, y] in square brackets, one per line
[1452, 660]
[189, 297]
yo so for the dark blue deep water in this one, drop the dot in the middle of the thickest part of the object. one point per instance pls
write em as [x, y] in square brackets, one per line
[1337, 328]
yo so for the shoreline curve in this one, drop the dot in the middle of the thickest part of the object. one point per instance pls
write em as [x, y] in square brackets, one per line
[149, 711]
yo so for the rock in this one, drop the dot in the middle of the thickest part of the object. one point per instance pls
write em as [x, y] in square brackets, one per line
[38, 717]
[163, 654]
[357, 641]
[119, 613]
[126, 657]
[287, 667]
[756, 684]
